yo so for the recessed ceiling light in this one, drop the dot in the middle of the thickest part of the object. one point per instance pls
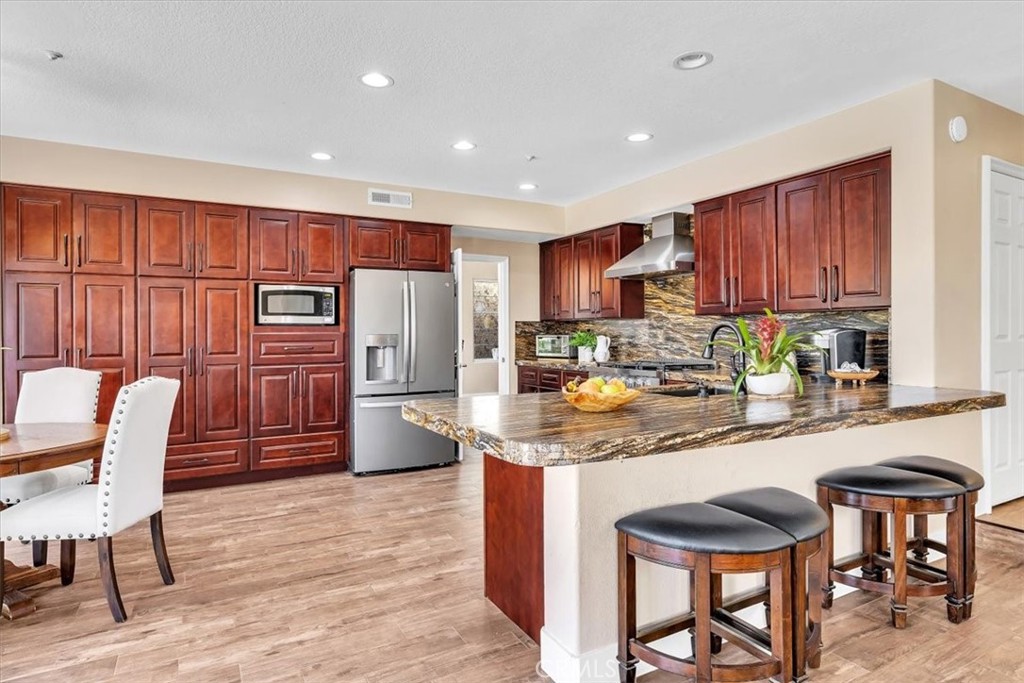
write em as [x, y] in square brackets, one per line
[527, 186]
[639, 137]
[322, 156]
[692, 60]
[53, 55]
[375, 79]
[464, 145]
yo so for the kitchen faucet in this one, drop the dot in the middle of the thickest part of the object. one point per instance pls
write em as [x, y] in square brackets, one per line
[709, 349]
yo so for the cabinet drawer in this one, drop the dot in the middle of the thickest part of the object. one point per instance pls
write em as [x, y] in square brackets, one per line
[551, 379]
[529, 375]
[272, 348]
[297, 451]
[206, 460]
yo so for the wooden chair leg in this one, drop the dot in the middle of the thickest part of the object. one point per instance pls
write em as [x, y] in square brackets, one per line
[156, 530]
[67, 562]
[105, 548]
[627, 611]
[920, 534]
[898, 604]
[702, 612]
[782, 614]
[39, 553]
[827, 556]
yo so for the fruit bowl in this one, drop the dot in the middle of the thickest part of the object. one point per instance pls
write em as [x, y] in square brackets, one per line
[590, 402]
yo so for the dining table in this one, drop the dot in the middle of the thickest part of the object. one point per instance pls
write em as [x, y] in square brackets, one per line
[33, 447]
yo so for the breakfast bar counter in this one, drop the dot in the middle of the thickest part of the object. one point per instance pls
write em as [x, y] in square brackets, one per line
[556, 480]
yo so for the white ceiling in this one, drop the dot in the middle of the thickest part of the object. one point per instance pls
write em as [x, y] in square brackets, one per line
[264, 84]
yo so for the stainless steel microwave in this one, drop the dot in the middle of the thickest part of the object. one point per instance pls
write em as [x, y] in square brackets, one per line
[279, 304]
[554, 346]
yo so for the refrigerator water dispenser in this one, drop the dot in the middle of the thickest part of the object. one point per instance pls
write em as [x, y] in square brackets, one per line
[381, 358]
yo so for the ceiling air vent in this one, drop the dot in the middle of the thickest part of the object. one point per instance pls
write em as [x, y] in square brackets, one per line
[400, 200]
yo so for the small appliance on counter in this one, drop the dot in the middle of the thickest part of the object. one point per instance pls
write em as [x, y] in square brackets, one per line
[554, 346]
[839, 345]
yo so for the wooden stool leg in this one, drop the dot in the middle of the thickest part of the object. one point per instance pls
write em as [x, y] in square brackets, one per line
[871, 543]
[969, 558]
[798, 591]
[716, 602]
[782, 615]
[702, 612]
[627, 611]
[828, 559]
[815, 568]
[955, 586]
[898, 604]
[920, 534]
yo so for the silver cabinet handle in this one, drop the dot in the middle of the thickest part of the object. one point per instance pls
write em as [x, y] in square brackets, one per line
[202, 364]
[66, 355]
[294, 267]
[379, 406]
[188, 361]
[405, 331]
[412, 325]
[78, 356]
[78, 240]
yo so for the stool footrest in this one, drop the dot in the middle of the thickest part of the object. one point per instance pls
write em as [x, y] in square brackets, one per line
[663, 629]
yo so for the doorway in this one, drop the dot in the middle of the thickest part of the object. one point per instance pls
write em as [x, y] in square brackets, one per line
[483, 322]
[1002, 328]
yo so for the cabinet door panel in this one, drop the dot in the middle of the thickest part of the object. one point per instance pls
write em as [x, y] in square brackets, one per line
[222, 242]
[37, 327]
[167, 345]
[548, 281]
[583, 277]
[321, 248]
[297, 451]
[166, 238]
[752, 224]
[803, 243]
[860, 276]
[275, 401]
[373, 244]
[323, 398]
[104, 234]
[425, 247]
[711, 244]
[274, 245]
[222, 335]
[617, 298]
[104, 333]
[565, 293]
[37, 230]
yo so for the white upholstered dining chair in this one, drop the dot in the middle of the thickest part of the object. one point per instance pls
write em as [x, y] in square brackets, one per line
[130, 488]
[54, 395]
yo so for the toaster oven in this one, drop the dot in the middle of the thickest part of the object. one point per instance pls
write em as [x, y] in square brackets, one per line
[554, 346]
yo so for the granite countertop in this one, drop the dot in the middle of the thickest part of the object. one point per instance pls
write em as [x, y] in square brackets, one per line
[543, 430]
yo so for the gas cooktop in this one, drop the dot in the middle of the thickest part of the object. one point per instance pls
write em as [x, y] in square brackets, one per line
[664, 364]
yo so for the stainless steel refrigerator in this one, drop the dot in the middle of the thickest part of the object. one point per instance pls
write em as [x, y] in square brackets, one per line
[402, 347]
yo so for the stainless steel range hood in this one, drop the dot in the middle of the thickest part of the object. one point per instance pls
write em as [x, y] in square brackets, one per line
[668, 252]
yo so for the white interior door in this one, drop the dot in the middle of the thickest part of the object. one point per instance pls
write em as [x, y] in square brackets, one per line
[1003, 364]
[460, 362]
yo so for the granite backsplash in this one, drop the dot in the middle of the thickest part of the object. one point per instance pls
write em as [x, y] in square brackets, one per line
[671, 330]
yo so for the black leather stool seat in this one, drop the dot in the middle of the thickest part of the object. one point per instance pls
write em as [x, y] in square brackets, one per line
[874, 480]
[938, 467]
[799, 517]
[703, 528]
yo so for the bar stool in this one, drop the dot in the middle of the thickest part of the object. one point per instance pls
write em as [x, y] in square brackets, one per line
[878, 491]
[708, 541]
[807, 524]
[972, 483]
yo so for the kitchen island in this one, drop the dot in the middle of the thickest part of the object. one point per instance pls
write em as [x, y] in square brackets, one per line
[555, 481]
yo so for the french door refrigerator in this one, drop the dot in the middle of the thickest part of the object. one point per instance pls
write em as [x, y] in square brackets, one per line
[402, 347]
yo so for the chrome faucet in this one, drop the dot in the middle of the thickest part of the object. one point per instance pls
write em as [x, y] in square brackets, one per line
[709, 349]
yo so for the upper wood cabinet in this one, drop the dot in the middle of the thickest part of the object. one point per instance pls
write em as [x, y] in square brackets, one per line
[104, 234]
[297, 246]
[834, 239]
[222, 242]
[166, 238]
[392, 244]
[564, 282]
[735, 252]
[584, 281]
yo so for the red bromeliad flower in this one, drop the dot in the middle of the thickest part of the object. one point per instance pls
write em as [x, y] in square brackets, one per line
[767, 329]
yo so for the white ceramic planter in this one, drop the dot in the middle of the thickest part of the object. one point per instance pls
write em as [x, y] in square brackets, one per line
[773, 384]
[586, 354]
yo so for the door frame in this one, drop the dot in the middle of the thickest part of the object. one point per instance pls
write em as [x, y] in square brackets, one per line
[989, 166]
[459, 257]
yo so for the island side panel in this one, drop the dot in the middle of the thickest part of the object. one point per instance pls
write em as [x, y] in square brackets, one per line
[514, 542]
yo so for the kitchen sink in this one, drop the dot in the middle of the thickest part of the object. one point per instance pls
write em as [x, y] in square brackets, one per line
[700, 392]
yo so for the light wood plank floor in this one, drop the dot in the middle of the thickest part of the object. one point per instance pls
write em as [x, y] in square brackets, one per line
[1009, 515]
[379, 579]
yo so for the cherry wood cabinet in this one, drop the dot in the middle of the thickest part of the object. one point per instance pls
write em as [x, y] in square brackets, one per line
[104, 333]
[37, 229]
[297, 246]
[104, 234]
[573, 285]
[222, 242]
[535, 379]
[321, 248]
[166, 238]
[393, 244]
[297, 399]
[735, 252]
[189, 461]
[322, 394]
[222, 360]
[297, 451]
[834, 238]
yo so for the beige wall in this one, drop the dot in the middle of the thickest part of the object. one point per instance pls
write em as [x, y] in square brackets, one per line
[524, 282]
[36, 162]
[479, 376]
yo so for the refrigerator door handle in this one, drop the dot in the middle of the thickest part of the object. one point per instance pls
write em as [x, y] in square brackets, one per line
[412, 325]
[405, 332]
[375, 406]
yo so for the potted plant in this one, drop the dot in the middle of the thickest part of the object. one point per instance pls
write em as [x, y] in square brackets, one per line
[585, 341]
[771, 359]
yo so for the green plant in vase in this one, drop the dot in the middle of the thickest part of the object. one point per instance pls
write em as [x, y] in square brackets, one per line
[768, 348]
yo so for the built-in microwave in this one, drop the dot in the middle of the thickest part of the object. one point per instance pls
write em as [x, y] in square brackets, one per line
[279, 304]
[554, 346]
